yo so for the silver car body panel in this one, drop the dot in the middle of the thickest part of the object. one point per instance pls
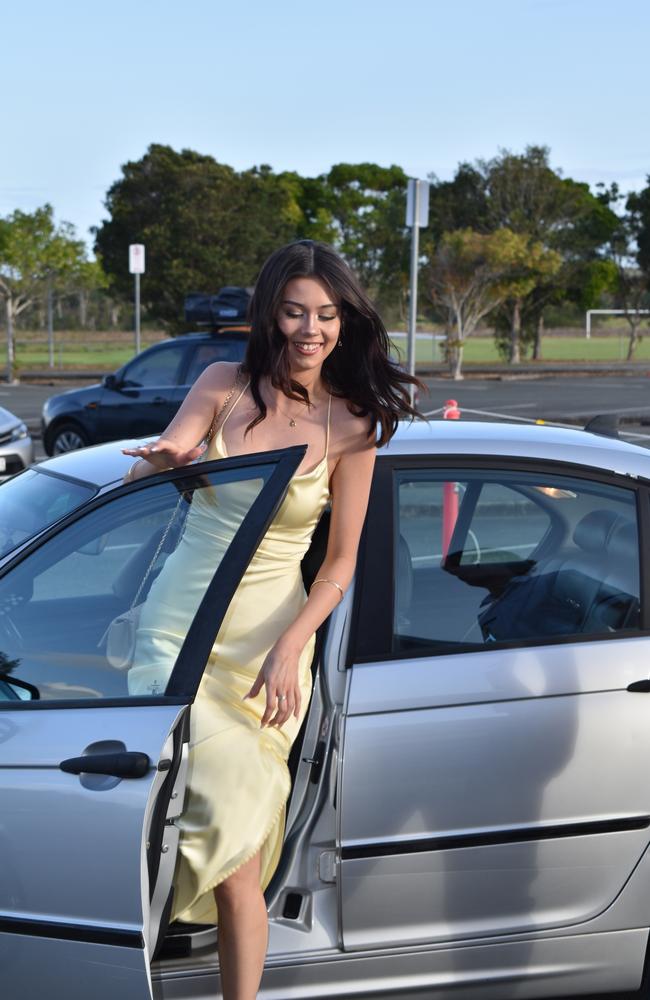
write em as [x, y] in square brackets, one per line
[485, 743]
[104, 901]
[481, 772]
[515, 969]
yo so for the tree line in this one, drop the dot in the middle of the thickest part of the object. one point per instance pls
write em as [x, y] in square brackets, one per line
[509, 239]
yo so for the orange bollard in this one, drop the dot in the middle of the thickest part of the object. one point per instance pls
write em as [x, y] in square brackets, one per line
[451, 411]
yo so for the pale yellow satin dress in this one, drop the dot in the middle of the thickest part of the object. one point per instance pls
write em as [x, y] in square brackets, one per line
[238, 781]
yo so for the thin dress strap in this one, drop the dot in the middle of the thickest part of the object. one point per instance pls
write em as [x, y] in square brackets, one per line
[327, 436]
[223, 422]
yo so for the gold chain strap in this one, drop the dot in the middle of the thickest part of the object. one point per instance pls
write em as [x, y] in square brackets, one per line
[212, 429]
[162, 541]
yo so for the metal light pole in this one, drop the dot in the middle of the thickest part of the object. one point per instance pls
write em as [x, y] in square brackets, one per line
[136, 267]
[417, 215]
[11, 359]
[50, 322]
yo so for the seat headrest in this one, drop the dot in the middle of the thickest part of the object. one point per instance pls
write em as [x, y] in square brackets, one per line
[624, 540]
[592, 532]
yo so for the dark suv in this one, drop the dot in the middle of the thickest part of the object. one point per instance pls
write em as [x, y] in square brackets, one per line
[141, 397]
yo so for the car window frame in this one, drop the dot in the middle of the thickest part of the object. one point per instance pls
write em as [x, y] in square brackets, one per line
[190, 662]
[371, 632]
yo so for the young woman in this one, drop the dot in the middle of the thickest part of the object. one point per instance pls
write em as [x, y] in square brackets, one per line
[317, 371]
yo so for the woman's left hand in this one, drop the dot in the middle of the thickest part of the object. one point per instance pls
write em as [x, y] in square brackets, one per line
[279, 674]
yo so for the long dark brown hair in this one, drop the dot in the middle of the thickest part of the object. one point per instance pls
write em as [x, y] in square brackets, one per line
[360, 371]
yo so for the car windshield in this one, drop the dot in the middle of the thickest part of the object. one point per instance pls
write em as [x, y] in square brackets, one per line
[33, 501]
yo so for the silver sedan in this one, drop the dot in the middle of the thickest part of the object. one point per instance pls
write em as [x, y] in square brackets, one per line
[16, 445]
[470, 805]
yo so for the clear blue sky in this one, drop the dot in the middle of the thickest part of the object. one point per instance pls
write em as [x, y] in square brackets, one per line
[86, 86]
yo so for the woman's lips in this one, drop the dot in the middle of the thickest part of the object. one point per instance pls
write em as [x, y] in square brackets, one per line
[308, 348]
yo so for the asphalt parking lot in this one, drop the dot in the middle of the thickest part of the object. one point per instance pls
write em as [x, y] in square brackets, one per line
[562, 399]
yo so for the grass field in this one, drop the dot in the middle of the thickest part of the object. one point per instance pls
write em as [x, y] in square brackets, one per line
[564, 348]
[101, 351]
[107, 351]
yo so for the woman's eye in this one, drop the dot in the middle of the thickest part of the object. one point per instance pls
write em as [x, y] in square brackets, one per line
[293, 315]
[323, 318]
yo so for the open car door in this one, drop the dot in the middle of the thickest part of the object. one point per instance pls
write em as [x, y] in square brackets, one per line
[92, 777]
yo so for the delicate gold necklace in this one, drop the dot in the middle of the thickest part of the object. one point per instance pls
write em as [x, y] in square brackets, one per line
[292, 422]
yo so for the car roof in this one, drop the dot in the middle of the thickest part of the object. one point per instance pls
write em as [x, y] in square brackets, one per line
[101, 465]
[225, 333]
[510, 440]
[104, 465]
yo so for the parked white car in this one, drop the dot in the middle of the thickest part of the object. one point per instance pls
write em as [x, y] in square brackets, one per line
[16, 445]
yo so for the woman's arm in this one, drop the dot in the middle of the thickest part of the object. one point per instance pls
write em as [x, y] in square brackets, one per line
[350, 488]
[179, 444]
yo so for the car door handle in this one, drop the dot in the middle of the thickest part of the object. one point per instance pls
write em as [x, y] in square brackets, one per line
[129, 764]
[641, 686]
[158, 400]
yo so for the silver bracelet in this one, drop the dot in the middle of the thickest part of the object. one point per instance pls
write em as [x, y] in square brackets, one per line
[333, 583]
[131, 469]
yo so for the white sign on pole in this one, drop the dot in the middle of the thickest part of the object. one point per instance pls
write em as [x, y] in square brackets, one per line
[422, 203]
[136, 258]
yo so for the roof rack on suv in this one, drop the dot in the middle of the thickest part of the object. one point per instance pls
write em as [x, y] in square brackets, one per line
[227, 308]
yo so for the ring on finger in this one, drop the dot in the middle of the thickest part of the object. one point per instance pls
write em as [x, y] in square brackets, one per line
[281, 697]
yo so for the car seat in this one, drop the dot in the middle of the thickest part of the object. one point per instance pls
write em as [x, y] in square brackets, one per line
[592, 588]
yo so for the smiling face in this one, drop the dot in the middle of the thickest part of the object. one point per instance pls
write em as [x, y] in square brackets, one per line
[309, 317]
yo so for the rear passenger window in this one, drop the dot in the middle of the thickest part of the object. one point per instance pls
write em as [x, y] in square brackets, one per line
[154, 368]
[214, 350]
[484, 558]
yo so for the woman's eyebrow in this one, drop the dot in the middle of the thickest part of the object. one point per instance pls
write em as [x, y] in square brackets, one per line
[292, 302]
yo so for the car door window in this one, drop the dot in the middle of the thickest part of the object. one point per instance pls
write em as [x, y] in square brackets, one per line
[156, 549]
[158, 367]
[27, 508]
[211, 351]
[484, 558]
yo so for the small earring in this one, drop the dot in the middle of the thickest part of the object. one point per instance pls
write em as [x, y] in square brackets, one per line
[339, 342]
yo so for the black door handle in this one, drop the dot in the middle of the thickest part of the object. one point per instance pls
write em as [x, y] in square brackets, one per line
[129, 764]
[641, 686]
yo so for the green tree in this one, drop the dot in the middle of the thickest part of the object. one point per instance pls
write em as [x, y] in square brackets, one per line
[461, 203]
[630, 255]
[523, 193]
[33, 251]
[88, 278]
[472, 274]
[526, 195]
[204, 226]
[367, 206]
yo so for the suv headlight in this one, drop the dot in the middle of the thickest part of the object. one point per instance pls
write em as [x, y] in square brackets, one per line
[19, 432]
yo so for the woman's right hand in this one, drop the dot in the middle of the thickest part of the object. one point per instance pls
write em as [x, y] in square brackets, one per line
[165, 454]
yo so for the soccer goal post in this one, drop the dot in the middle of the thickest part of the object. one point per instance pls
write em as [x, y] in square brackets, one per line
[612, 312]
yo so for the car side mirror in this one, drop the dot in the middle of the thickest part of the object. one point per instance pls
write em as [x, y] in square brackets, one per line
[94, 547]
[110, 381]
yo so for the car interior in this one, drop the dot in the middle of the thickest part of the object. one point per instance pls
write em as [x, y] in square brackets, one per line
[580, 577]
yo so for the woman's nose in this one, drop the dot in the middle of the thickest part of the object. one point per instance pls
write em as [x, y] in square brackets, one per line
[309, 322]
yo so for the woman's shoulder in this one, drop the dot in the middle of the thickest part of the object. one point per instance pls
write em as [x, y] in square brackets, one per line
[220, 374]
[348, 429]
